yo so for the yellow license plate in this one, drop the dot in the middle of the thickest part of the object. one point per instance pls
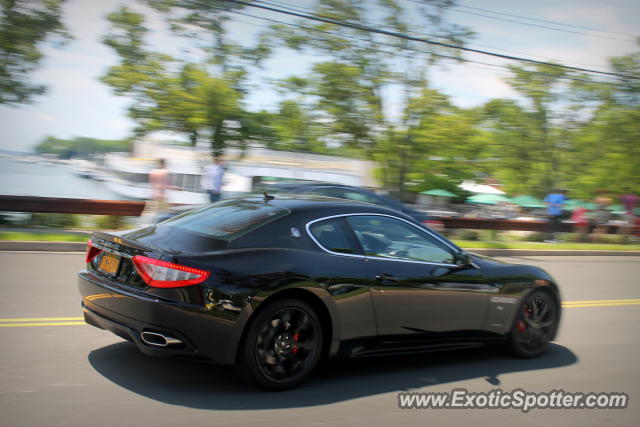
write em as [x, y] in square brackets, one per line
[109, 264]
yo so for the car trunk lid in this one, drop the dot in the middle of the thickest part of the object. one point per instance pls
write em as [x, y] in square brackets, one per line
[110, 256]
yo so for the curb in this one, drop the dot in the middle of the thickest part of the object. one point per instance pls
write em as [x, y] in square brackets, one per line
[8, 245]
[549, 252]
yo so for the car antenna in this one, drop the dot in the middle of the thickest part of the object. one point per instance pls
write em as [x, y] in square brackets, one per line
[267, 197]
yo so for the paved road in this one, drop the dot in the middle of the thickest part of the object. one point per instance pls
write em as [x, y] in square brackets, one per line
[72, 375]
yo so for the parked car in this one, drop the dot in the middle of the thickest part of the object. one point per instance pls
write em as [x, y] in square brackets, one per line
[352, 193]
[274, 284]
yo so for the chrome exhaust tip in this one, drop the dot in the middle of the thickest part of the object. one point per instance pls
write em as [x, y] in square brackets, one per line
[158, 340]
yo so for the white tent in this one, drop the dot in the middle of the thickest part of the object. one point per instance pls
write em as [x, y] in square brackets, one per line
[474, 187]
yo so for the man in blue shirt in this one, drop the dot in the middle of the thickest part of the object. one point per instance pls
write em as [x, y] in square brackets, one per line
[211, 180]
[555, 202]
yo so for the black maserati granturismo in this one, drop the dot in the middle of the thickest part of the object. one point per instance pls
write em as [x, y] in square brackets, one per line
[274, 284]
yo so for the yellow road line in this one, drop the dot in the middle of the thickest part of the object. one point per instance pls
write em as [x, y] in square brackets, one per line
[41, 319]
[15, 325]
[601, 305]
[601, 301]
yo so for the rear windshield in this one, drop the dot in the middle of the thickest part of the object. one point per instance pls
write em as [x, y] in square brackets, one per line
[226, 220]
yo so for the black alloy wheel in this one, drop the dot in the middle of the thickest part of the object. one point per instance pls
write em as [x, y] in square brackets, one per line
[283, 345]
[535, 324]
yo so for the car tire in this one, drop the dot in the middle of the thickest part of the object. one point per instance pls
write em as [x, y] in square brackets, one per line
[282, 345]
[534, 325]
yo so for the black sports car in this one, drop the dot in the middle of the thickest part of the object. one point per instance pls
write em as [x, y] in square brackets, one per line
[272, 285]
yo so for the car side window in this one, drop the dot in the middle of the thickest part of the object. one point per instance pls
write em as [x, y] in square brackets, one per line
[332, 235]
[392, 238]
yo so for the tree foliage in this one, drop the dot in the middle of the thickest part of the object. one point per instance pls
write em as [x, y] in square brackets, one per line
[349, 91]
[24, 24]
[184, 98]
[578, 134]
[605, 148]
[79, 146]
[526, 134]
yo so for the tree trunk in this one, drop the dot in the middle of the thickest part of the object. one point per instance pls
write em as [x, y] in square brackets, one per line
[217, 139]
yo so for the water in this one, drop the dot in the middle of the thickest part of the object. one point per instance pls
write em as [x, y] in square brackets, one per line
[48, 180]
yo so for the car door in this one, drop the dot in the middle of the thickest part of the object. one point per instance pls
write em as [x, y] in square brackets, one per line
[342, 270]
[417, 287]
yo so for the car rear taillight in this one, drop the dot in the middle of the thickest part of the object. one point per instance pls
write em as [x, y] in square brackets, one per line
[163, 274]
[92, 251]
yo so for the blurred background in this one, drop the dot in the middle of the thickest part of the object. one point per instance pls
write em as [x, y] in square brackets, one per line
[455, 108]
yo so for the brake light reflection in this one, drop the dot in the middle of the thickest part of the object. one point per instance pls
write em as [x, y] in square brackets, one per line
[92, 251]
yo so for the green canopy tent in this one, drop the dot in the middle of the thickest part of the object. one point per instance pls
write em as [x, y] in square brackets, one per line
[488, 199]
[528, 202]
[573, 204]
[439, 192]
[616, 208]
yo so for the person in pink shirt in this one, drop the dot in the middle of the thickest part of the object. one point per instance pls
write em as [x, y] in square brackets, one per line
[160, 181]
[580, 223]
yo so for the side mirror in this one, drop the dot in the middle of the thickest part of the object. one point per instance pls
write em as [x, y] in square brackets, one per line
[463, 260]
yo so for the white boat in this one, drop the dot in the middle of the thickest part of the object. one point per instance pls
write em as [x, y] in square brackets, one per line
[84, 168]
[128, 175]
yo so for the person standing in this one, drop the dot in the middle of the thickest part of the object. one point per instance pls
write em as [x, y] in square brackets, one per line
[629, 201]
[160, 181]
[580, 223]
[211, 180]
[555, 202]
[602, 214]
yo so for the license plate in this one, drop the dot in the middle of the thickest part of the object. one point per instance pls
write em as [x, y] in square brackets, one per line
[109, 264]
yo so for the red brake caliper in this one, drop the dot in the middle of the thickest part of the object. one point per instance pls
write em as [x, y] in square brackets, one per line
[521, 325]
[296, 336]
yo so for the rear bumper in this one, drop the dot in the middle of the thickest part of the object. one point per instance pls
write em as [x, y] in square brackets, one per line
[203, 334]
[186, 348]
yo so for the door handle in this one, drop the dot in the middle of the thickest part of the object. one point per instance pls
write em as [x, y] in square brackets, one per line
[386, 278]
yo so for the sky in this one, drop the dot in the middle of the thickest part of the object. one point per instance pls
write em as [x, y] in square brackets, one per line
[78, 104]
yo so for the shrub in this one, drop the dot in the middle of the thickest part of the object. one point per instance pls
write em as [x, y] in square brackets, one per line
[53, 220]
[468, 235]
[534, 237]
[110, 222]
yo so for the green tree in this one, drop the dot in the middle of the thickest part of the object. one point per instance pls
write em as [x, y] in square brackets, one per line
[168, 96]
[605, 148]
[24, 24]
[528, 140]
[349, 91]
[206, 23]
[567, 131]
[296, 128]
[439, 146]
[79, 146]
